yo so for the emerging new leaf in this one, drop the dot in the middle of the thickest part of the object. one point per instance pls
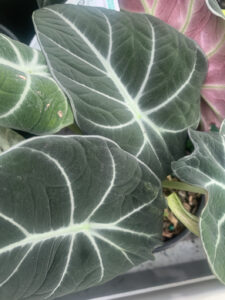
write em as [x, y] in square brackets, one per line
[74, 212]
[30, 100]
[205, 167]
[129, 77]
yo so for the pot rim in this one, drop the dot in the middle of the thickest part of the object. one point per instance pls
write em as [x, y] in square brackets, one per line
[185, 233]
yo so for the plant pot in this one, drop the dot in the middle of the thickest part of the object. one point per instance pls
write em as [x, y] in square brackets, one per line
[184, 234]
[172, 242]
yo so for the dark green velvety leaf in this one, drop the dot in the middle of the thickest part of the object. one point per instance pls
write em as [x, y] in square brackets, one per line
[30, 100]
[129, 77]
[74, 212]
[206, 168]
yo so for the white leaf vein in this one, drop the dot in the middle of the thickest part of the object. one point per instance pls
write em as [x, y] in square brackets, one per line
[92, 89]
[65, 176]
[21, 100]
[15, 223]
[16, 51]
[111, 226]
[110, 36]
[17, 267]
[109, 242]
[122, 125]
[151, 62]
[65, 269]
[177, 92]
[109, 189]
[73, 54]
[127, 98]
[96, 249]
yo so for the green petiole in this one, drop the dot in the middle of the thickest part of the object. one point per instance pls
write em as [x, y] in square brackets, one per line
[177, 185]
[190, 221]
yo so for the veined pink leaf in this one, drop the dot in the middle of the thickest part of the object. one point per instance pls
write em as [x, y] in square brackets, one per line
[194, 19]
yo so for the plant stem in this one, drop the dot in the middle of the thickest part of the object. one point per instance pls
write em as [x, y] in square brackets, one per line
[190, 221]
[75, 129]
[177, 185]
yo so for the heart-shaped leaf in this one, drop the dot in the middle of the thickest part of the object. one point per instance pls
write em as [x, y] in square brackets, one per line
[205, 167]
[207, 28]
[30, 100]
[129, 77]
[74, 212]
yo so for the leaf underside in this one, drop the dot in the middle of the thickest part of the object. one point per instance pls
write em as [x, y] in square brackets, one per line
[30, 100]
[206, 168]
[8, 138]
[129, 77]
[74, 212]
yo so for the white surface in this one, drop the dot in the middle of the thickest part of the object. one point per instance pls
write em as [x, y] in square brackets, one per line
[184, 251]
[110, 4]
[209, 290]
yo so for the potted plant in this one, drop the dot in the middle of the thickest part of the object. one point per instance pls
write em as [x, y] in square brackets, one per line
[78, 210]
[203, 22]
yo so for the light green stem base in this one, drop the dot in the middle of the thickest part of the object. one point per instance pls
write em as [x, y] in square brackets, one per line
[177, 185]
[190, 221]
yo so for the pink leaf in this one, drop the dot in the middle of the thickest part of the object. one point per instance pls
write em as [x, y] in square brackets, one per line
[194, 19]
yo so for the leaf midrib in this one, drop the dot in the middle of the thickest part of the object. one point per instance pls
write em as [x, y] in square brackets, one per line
[109, 70]
[88, 228]
[53, 234]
